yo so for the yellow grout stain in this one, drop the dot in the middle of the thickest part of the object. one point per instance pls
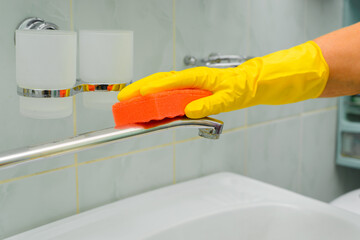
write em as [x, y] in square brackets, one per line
[174, 156]
[71, 16]
[74, 117]
[233, 130]
[35, 174]
[174, 69]
[75, 123]
[77, 183]
[246, 142]
[174, 33]
[125, 154]
[174, 142]
[319, 110]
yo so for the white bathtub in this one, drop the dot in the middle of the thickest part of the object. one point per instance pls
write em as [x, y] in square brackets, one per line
[222, 206]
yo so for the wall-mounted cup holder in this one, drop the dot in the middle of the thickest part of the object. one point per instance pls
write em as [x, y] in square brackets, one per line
[81, 86]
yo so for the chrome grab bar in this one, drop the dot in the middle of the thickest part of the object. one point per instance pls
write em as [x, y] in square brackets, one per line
[208, 128]
[215, 60]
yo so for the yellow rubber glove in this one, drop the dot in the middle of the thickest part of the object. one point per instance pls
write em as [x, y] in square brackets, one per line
[287, 76]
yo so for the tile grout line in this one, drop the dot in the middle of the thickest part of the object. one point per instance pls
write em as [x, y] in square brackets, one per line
[35, 174]
[174, 33]
[245, 127]
[77, 182]
[319, 110]
[174, 69]
[305, 19]
[99, 160]
[248, 44]
[174, 142]
[71, 15]
[299, 187]
[174, 156]
[75, 122]
[246, 143]
[126, 154]
[300, 149]
[248, 47]
[294, 116]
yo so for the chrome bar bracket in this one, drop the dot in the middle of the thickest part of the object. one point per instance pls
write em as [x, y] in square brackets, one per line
[215, 60]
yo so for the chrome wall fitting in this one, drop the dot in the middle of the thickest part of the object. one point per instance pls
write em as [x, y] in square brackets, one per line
[80, 87]
[215, 60]
[34, 23]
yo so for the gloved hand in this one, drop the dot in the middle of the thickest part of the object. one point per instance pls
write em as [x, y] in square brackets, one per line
[287, 76]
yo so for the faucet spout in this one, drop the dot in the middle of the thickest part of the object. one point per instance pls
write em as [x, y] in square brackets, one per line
[208, 128]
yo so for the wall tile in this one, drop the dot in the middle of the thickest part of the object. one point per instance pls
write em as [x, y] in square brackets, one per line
[34, 201]
[275, 25]
[319, 103]
[264, 113]
[203, 156]
[17, 130]
[127, 145]
[206, 35]
[36, 166]
[107, 181]
[320, 177]
[204, 27]
[273, 153]
[151, 22]
[322, 16]
[268, 152]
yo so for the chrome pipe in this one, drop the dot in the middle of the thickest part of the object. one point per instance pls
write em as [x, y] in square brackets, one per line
[208, 128]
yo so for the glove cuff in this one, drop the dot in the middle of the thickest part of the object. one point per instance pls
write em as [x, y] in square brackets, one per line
[288, 76]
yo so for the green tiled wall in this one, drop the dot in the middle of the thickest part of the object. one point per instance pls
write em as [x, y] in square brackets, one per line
[292, 146]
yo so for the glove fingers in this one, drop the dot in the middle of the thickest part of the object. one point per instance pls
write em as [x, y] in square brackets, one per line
[133, 90]
[206, 106]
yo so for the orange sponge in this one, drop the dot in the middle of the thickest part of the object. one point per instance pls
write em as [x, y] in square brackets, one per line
[157, 106]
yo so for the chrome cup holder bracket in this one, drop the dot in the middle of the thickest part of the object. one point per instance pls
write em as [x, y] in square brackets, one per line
[80, 87]
[35, 23]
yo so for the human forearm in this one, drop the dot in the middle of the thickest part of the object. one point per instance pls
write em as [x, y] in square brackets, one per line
[341, 50]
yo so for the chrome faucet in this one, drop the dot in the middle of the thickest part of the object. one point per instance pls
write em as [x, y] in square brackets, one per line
[208, 128]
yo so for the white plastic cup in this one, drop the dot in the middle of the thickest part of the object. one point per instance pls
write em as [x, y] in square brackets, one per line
[105, 56]
[46, 59]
